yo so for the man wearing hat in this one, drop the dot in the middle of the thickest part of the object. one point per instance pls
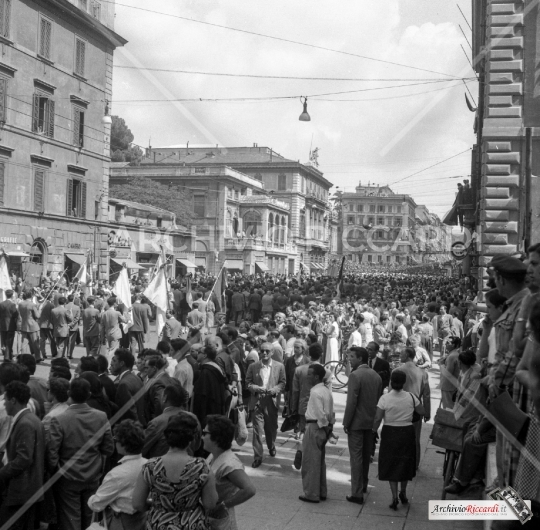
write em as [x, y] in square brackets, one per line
[8, 324]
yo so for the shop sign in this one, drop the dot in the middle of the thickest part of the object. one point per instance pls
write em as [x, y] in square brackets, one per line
[119, 239]
[12, 240]
[74, 246]
[459, 250]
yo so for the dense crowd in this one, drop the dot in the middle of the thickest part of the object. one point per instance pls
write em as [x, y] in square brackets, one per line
[142, 436]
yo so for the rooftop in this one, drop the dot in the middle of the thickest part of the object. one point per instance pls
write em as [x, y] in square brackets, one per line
[139, 206]
[262, 200]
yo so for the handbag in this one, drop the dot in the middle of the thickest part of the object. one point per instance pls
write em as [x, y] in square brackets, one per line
[290, 423]
[447, 432]
[98, 525]
[240, 431]
[507, 413]
[415, 416]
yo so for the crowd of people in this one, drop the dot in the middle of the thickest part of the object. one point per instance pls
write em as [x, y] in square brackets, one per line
[142, 436]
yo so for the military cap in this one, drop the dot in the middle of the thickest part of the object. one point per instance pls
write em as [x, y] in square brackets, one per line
[507, 265]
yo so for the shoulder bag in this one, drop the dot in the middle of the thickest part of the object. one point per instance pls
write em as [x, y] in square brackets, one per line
[415, 416]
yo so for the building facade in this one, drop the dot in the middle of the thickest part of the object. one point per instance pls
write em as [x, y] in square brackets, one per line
[233, 218]
[55, 82]
[505, 213]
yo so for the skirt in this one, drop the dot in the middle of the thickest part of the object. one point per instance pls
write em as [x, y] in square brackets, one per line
[397, 454]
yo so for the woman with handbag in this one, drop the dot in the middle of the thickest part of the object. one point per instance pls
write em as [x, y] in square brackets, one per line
[397, 452]
[233, 485]
[116, 491]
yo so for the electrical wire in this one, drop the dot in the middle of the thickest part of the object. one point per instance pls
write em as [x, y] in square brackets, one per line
[280, 39]
[254, 76]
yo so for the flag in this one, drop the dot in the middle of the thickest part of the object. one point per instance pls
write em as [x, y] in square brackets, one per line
[219, 287]
[189, 294]
[339, 287]
[157, 293]
[122, 289]
[82, 274]
[300, 273]
[5, 282]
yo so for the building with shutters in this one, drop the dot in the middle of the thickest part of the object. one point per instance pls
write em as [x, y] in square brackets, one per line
[55, 84]
[296, 217]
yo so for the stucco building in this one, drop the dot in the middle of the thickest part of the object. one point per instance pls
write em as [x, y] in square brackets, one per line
[55, 82]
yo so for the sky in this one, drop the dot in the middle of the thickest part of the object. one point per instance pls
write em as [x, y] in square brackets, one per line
[365, 131]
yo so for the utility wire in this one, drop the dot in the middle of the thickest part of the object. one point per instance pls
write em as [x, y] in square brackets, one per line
[465, 18]
[280, 39]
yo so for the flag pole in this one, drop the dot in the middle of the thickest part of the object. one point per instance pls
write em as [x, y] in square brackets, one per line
[217, 278]
[164, 257]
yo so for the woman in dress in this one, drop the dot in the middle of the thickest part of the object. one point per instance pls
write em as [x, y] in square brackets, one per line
[233, 485]
[397, 453]
[332, 333]
[182, 489]
[114, 494]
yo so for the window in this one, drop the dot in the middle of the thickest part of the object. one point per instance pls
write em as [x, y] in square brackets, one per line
[199, 205]
[360, 219]
[398, 209]
[282, 182]
[5, 15]
[76, 198]
[350, 220]
[80, 56]
[371, 220]
[3, 98]
[258, 176]
[372, 208]
[390, 207]
[397, 221]
[381, 208]
[45, 35]
[2, 182]
[379, 258]
[39, 190]
[388, 258]
[96, 10]
[370, 258]
[359, 207]
[380, 220]
[380, 234]
[78, 127]
[397, 259]
[43, 115]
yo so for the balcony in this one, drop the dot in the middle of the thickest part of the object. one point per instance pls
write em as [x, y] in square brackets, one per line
[251, 243]
[317, 199]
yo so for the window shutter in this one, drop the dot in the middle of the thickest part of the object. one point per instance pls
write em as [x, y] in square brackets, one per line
[69, 198]
[3, 94]
[76, 126]
[2, 183]
[80, 55]
[45, 38]
[35, 113]
[39, 187]
[83, 200]
[49, 128]
[3, 28]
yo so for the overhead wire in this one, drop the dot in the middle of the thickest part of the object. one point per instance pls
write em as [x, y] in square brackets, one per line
[280, 39]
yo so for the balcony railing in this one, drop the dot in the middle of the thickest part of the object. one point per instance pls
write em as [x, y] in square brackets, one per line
[250, 243]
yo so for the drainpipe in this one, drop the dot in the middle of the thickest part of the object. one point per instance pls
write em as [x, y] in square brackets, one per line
[528, 181]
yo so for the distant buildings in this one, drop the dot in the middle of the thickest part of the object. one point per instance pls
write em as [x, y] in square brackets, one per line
[251, 206]
[55, 82]
[381, 227]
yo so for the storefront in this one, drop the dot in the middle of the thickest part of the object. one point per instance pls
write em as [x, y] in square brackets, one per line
[184, 266]
[72, 264]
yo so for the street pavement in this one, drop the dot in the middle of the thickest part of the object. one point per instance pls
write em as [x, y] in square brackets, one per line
[276, 505]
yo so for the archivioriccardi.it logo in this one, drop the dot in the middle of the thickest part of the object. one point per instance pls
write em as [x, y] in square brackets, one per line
[472, 510]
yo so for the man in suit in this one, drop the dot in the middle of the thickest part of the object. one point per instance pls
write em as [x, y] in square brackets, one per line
[61, 318]
[237, 306]
[29, 315]
[79, 439]
[196, 320]
[381, 334]
[46, 329]
[91, 318]
[172, 329]
[8, 324]
[266, 381]
[157, 380]
[174, 402]
[378, 364]
[129, 387]
[110, 324]
[75, 311]
[417, 383]
[363, 392]
[254, 304]
[140, 315]
[22, 476]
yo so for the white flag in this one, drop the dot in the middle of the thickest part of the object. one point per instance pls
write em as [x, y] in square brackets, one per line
[122, 291]
[82, 275]
[5, 282]
[156, 292]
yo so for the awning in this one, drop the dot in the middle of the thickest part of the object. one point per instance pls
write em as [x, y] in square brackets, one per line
[262, 266]
[129, 264]
[235, 264]
[17, 254]
[316, 266]
[186, 263]
[76, 258]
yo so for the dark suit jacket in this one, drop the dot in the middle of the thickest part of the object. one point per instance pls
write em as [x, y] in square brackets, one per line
[45, 317]
[91, 318]
[382, 367]
[72, 430]
[128, 386]
[237, 302]
[255, 301]
[140, 314]
[108, 386]
[154, 395]
[8, 316]
[172, 330]
[276, 381]
[75, 316]
[363, 392]
[110, 323]
[22, 477]
[29, 315]
[61, 320]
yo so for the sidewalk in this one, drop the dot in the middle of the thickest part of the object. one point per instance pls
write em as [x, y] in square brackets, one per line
[276, 505]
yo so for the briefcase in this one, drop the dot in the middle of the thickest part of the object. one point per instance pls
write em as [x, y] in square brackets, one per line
[447, 431]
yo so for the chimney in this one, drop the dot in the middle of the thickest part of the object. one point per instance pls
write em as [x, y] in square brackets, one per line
[255, 145]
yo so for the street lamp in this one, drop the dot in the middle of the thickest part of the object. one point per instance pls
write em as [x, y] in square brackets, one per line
[304, 116]
[106, 120]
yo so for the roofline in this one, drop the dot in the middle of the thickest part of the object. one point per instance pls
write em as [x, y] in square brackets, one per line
[90, 22]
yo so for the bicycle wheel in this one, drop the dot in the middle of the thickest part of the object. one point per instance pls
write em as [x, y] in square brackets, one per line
[340, 377]
[449, 468]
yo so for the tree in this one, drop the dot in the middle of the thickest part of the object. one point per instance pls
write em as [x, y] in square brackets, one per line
[147, 191]
[122, 149]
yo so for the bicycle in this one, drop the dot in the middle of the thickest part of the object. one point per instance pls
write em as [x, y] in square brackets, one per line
[340, 369]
